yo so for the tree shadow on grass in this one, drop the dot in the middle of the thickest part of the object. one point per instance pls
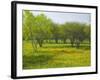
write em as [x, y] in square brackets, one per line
[35, 60]
[85, 47]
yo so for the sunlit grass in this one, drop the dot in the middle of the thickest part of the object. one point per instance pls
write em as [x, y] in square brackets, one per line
[55, 56]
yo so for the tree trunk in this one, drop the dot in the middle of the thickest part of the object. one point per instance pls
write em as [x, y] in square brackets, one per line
[34, 45]
[40, 42]
[56, 40]
[40, 45]
[77, 44]
[64, 41]
[89, 40]
[72, 43]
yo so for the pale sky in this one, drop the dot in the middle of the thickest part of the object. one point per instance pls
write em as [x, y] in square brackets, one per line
[62, 17]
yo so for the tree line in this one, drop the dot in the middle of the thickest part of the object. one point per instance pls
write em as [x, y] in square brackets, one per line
[39, 29]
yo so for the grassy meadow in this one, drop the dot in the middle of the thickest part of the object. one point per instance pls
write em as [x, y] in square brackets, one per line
[55, 56]
[55, 39]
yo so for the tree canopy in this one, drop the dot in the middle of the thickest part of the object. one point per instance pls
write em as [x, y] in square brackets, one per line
[39, 28]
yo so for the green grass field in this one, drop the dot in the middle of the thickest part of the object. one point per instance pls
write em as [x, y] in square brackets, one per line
[55, 56]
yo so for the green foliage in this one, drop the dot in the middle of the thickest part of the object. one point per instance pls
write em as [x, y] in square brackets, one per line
[87, 32]
[36, 27]
[39, 28]
[55, 30]
[28, 23]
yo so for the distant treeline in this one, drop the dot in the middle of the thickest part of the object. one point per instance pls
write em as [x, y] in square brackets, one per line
[39, 28]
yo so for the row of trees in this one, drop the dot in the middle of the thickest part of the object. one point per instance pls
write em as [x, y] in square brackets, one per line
[40, 28]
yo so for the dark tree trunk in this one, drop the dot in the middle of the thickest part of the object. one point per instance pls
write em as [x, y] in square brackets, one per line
[56, 40]
[64, 41]
[89, 40]
[34, 45]
[77, 44]
[72, 43]
[40, 42]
